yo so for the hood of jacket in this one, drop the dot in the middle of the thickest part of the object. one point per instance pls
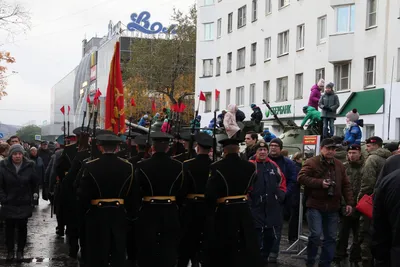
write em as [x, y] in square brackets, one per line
[232, 108]
[381, 152]
[315, 87]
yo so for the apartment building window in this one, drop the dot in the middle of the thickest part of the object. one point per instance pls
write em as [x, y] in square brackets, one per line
[282, 89]
[207, 106]
[268, 7]
[230, 22]
[241, 58]
[207, 67]
[300, 36]
[283, 43]
[369, 131]
[253, 60]
[319, 74]
[266, 91]
[267, 48]
[345, 18]
[218, 70]
[283, 3]
[229, 62]
[369, 65]
[228, 97]
[219, 28]
[342, 76]
[322, 30]
[208, 31]
[254, 10]
[298, 86]
[240, 96]
[208, 2]
[371, 13]
[241, 17]
[252, 98]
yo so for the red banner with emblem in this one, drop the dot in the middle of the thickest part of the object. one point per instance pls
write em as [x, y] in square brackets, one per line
[115, 116]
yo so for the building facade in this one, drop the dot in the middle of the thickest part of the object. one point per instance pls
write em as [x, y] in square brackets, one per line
[277, 50]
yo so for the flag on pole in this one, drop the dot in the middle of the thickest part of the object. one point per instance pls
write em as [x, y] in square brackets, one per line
[133, 103]
[114, 111]
[217, 94]
[182, 107]
[62, 110]
[88, 99]
[153, 105]
[69, 109]
[202, 97]
[97, 95]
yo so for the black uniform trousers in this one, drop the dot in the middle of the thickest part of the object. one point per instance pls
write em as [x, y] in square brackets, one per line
[21, 226]
[106, 229]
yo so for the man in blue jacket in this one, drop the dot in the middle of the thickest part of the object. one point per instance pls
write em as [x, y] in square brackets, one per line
[266, 198]
[288, 169]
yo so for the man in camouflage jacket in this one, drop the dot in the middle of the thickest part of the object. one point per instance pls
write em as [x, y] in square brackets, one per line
[353, 166]
[376, 159]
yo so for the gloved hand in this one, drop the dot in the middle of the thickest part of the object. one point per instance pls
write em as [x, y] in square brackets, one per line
[35, 196]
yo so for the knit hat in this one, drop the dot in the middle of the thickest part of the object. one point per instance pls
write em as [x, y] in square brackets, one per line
[166, 120]
[253, 105]
[330, 85]
[16, 148]
[277, 141]
[353, 115]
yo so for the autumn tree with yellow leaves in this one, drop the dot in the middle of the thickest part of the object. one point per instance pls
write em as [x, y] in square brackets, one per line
[164, 69]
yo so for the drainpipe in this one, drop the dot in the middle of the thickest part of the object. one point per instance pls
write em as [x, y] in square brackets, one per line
[385, 55]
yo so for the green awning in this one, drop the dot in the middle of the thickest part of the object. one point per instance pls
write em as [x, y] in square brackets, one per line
[366, 102]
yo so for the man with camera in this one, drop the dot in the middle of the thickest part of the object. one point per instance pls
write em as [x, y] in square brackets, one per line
[325, 182]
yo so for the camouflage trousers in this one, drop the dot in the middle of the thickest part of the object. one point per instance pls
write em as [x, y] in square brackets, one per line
[365, 239]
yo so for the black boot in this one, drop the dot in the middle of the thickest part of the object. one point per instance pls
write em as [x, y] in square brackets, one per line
[20, 256]
[10, 256]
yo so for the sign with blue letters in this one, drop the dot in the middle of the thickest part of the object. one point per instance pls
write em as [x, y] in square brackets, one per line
[142, 24]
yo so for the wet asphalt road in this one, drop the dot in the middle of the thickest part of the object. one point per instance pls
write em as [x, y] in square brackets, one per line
[44, 248]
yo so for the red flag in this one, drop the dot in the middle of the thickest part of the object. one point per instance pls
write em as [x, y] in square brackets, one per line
[114, 113]
[182, 107]
[216, 94]
[97, 94]
[69, 109]
[202, 97]
[133, 103]
[88, 99]
[62, 110]
[153, 105]
[175, 107]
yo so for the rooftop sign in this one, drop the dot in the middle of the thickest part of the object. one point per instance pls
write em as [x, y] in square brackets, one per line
[142, 24]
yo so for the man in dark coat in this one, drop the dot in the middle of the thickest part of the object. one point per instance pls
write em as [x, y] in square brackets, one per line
[266, 199]
[155, 189]
[186, 137]
[195, 172]
[105, 188]
[18, 183]
[386, 221]
[45, 153]
[231, 239]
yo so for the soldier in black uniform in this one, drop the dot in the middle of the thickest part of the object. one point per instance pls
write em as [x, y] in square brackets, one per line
[141, 145]
[105, 188]
[196, 173]
[62, 166]
[186, 137]
[72, 210]
[156, 186]
[232, 240]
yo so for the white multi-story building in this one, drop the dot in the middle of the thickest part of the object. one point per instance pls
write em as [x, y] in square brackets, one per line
[276, 50]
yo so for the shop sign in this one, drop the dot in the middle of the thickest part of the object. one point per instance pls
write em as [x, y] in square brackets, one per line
[142, 24]
[280, 110]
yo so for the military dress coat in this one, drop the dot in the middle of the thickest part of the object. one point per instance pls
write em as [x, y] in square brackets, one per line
[105, 179]
[231, 238]
[157, 225]
[195, 176]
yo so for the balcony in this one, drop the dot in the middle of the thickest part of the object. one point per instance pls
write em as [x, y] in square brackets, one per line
[341, 2]
[341, 47]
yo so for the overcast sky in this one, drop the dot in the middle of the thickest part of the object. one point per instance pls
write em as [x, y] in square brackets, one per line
[52, 48]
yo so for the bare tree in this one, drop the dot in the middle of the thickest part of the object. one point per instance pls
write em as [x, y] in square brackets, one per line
[14, 19]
